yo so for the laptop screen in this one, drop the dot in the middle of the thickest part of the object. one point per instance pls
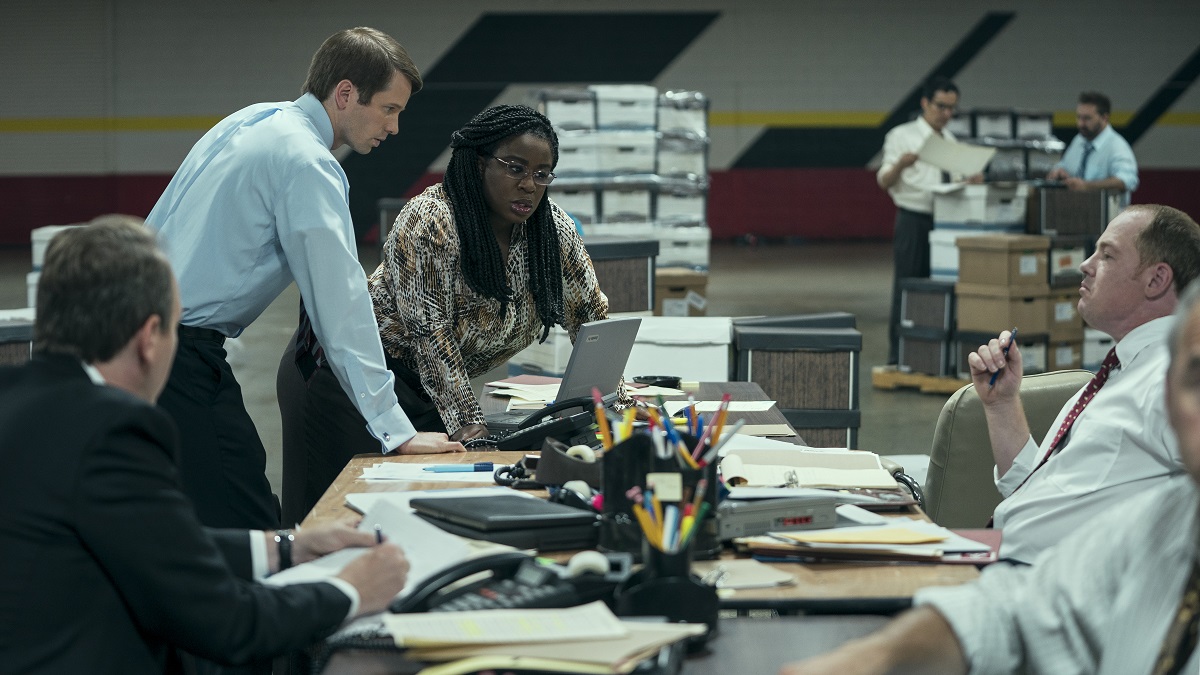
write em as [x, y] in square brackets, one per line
[598, 358]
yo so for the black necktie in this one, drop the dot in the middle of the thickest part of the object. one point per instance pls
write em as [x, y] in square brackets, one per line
[1087, 152]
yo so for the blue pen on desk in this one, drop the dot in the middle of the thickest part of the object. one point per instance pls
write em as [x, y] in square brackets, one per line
[460, 468]
[1012, 335]
[378, 534]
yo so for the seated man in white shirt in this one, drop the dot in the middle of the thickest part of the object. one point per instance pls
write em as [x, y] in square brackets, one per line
[1119, 444]
[1118, 596]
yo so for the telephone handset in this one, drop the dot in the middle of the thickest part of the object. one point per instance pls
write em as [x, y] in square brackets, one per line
[518, 580]
[543, 423]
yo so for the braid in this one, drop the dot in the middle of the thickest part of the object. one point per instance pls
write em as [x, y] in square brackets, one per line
[482, 264]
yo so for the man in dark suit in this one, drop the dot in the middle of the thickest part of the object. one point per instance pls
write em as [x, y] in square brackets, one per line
[103, 564]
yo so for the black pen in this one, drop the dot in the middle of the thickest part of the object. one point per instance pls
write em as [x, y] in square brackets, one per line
[1012, 335]
[378, 534]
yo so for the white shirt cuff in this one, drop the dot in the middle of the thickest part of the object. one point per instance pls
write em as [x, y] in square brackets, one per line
[259, 568]
[350, 591]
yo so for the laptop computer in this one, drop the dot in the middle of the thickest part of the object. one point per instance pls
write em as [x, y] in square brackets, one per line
[512, 519]
[597, 360]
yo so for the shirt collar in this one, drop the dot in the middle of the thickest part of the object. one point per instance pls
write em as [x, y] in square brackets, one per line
[1151, 332]
[93, 374]
[926, 128]
[320, 118]
[1102, 138]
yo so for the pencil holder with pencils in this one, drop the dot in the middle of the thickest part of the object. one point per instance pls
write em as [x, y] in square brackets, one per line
[652, 496]
[665, 586]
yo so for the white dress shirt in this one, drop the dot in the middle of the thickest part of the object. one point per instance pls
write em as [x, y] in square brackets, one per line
[1100, 603]
[913, 190]
[259, 202]
[1120, 445]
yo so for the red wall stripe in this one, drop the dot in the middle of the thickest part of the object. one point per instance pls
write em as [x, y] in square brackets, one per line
[807, 203]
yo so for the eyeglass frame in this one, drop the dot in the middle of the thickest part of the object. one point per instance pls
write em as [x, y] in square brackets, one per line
[529, 173]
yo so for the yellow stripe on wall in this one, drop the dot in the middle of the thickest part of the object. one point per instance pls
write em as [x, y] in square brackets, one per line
[59, 125]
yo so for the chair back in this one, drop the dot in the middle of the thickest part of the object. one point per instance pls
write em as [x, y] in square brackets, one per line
[959, 490]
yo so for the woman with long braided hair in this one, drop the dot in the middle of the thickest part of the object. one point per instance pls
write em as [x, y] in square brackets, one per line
[474, 270]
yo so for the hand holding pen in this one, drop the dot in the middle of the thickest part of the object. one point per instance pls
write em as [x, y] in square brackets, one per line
[1012, 335]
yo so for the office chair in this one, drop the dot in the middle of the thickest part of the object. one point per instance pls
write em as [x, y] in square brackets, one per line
[959, 490]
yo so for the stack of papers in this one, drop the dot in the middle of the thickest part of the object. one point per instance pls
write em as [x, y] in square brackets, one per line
[586, 639]
[527, 392]
[804, 467]
[896, 539]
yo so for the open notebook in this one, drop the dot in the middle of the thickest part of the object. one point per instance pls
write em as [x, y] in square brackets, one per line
[803, 467]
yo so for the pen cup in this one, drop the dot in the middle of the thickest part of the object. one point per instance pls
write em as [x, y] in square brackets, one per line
[665, 586]
[626, 466]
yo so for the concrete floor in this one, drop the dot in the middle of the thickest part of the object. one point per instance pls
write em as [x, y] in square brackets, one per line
[766, 279]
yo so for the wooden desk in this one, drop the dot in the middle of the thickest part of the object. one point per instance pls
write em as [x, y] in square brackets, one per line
[821, 587]
[740, 646]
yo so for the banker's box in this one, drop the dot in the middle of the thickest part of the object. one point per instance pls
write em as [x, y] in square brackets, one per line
[1004, 260]
[1062, 318]
[990, 308]
[695, 349]
[1064, 355]
[680, 292]
[980, 205]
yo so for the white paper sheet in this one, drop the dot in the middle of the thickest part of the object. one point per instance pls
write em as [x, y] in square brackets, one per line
[676, 407]
[960, 158]
[363, 502]
[593, 621]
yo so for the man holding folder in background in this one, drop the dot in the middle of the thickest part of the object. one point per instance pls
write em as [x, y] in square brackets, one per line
[1111, 441]
[909, 182]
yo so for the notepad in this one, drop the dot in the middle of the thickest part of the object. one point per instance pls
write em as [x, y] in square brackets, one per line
[593, 621]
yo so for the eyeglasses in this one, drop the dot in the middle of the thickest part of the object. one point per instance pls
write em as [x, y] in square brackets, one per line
[518, 171]
[945, 107]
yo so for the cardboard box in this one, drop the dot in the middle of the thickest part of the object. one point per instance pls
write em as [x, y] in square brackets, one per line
[580, 203]
[1004, 260]
[625, 105]
[576, 110]
[681, 207]
[991, 309]
[1063, 318]
[943, 249]
[625, 151]
[927, 303]
[993, 123]
[680, 292]
[683, 246]
[1065, 257]
[625, 204]
[695, 349]
[576, 153]
[1066, 355]
[545, 358]
[40, 238]
[980, 205]
[1030, 124]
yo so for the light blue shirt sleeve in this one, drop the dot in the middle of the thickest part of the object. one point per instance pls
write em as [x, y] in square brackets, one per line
[315, 232]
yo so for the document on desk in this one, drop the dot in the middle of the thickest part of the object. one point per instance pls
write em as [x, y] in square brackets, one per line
[593, 621]
[429, 549]
[960, 158]
[675, 408]
[399, 471]
[609, 655]
[898, 539]
[800, 467]
[364, 502]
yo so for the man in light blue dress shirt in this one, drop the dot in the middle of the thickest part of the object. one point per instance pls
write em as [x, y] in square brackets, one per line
[261, 201]
[1098, 158]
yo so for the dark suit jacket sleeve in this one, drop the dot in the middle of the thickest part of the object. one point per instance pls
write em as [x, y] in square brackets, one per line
[144, 532]
[234, 546]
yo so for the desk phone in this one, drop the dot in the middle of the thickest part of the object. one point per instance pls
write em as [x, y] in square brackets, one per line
[517, 581]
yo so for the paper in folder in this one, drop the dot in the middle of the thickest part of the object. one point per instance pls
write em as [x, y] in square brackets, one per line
[805, 468]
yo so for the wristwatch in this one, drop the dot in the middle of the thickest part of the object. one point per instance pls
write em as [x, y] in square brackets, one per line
[284, 540]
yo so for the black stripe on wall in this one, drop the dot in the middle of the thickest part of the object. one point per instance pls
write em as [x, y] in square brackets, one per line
[497, 51]
[1163, 99]
[852, 147]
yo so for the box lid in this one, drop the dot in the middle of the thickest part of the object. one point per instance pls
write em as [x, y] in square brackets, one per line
[788, 339]
[679, 276]
[1005, 242]
[1008, 292]
[685, 330]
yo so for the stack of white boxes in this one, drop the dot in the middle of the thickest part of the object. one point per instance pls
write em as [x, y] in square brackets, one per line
[40, 238]
[971, 211]
[634, 163]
